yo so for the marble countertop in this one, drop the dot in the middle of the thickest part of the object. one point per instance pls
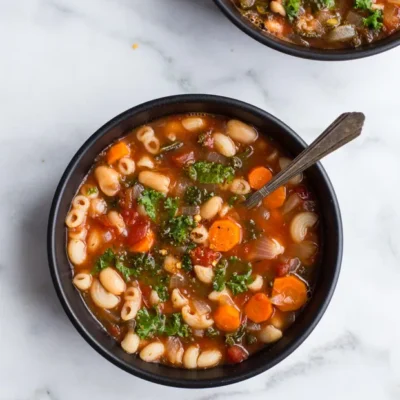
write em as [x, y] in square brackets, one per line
[68, 66]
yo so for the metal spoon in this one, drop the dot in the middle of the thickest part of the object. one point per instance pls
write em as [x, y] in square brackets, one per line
[343, 130]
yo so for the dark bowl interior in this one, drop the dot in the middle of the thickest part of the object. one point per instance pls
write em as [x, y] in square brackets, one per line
[90, 329]
[228, 8]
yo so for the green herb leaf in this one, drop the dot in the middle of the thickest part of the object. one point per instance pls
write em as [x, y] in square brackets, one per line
[220, 276]
[252, 231]
[324, 4]
[107, 259]
[170, 147]
[195, 196]
[92, 190]
[125, 271]
[212, 332]
[363, 4]
[251, 339]
[177, 230]
[210, 172]
[176, 327]
[235, 337]
[232, 200]
[187, 264]
[292, 8]
[238, 283]
[149, 324]
[374, 21]
[150, 199]
[171, 205]
[162, 287]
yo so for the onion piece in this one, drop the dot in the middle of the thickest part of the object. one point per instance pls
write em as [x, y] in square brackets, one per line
[291, 203]
[305, 251]
[190, 210]
[253, 327]
[137, 191]
[201, 307]
[266, 249]
[300, 224]
[283, 163]
[177, 281]
[216, 157]
[342, 33]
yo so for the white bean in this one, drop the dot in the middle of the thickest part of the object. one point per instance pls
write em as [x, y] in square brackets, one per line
[77, 251]
[190, 357]
[152, 352]
[116, 220]
[211, 207]
[130, 343]
[209, 358]
[108, 180]
[112, 281]
[277, 8]
[204, 274]
[75, 218]
[152, 145]
[257, 283]
[199, 234]
[144, 133]
[178, 299]
[193, 124]
[155, 181]
[224, 145]
[82, 281]
[240, 186]
[80, 202]
[269, 334]
[126, 166]
[241, 132]
[97, 207]
[196, 321]
[146, 162]
[94, 240]
[101, 297]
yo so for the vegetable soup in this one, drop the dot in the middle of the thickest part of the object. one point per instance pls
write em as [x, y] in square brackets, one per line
[327, 24]
[167, 257]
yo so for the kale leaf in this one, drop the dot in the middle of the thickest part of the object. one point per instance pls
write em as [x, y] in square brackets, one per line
[292, 8]
[171, 205]
[177, 230]
[374, 21]
[220, 276]
[150, 199]
[238, 283]
[195, 196]
[210, 172]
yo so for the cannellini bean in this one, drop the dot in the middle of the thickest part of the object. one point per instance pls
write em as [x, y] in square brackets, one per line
[204, 274]
[116, 220]
[152, 352]
[112, 281]
[211, 207]
[129, 310]
[78, 234]
[77, 251]
[152, 145]
[133, 294]
[81, 202]
[108, 180]
[178, 299]
[90, 191]
[101, 297]
[190, 357]
[257, 284]
[155, 181]
[199, 234]
[75, 218]
[300, 224]
[240, 186]
[277, 8]
[209, 358]
[97, 207]
[269, 334]
[94, 240]
[224, 210]
[146, 162]
[126, 166]
[196, 321]
[193, 124]
[241, 132]
[171, 264]
[145, 133]
[224, 145]
[130, 343]
[154, 298]
[82, 281]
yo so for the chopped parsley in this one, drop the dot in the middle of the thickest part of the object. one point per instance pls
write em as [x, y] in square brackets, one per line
[105, 260]
[252, 231]
[324, 4]
[175, 326]
[363, 4]
[238, 283]
[177, 230]
[235, 337]
[210, 172]
[195, 196]
[251, 339]
[220, 276]
[212, 332]
[170, 147]
[161, 288]
[187, 264]
[141, 262]
[171, 205]
[292, 8]
[232, 200]
[150, 199]
[374, 21]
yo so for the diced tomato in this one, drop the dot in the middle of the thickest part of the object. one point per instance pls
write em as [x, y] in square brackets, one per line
[302, 192]
[182, 158]
[130, 216]
[208, 141]
[114, 330]
[204, 256]
[138, 231]
[236, 354]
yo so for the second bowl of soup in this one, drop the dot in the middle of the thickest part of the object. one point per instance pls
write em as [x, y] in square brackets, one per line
[165, 271]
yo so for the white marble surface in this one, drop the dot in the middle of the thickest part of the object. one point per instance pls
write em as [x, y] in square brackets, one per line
[67, 66]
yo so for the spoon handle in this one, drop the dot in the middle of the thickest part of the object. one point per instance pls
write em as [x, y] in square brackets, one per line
[343, 130]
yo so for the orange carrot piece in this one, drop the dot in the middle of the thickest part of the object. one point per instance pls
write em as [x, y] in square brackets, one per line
[289, 293]
[116, 152]
[144, 245]
[259, 308]
[224, 235]
[227, 318]
[259, 176]
[276, 198]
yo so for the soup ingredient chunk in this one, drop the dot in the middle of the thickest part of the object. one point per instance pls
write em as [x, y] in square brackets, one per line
[224, 235]
[289, 293]
[259, 308]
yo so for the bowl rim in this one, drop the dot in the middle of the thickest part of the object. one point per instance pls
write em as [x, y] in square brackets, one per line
[57, 278]
[310, 53]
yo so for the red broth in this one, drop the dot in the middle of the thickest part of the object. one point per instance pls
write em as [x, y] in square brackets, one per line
[326, 24]
[167, 257]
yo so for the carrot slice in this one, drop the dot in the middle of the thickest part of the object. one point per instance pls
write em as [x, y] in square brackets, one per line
[276, 198]
[227, 318]
[259, 308]
[144, 245]
[224, 235]
[116, 152]
[259, 176]
[289, 293]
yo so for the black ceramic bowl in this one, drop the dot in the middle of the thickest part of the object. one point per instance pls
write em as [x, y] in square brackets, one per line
[84, 321]
[246, 26]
